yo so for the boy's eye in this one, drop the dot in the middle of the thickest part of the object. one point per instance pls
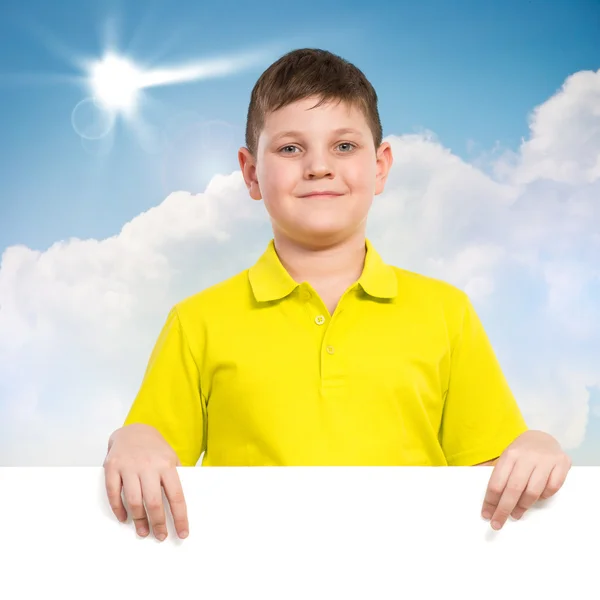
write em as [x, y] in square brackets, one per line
[348, 146]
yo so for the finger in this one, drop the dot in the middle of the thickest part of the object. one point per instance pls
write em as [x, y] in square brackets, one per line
[557, 478]
[517, 513]
[174, 493]
[152, 494]
[535, 486]
[516, 485]
[496, 486]
[113, 483]
[133, 495]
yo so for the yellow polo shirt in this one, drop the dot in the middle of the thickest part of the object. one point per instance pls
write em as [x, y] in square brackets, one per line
[254, 371]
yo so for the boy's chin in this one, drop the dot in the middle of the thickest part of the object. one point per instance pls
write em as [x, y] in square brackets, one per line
[323, 234]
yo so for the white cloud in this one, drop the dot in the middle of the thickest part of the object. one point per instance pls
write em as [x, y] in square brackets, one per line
[77, 322]
[565, 136]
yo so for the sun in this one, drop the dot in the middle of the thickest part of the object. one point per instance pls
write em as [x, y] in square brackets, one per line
[115, 82]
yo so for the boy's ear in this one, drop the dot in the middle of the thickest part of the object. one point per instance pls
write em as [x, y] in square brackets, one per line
[248, 167]
[384, 164]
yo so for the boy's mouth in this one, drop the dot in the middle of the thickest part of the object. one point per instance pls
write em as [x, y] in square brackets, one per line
[326, 193]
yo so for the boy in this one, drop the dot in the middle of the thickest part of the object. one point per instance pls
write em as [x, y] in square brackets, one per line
[320, 353]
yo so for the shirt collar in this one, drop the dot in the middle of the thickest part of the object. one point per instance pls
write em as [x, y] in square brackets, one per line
[270, 280]
[378, 279]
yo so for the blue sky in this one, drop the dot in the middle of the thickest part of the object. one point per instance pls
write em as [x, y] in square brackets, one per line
[490, 63]
[491, 108]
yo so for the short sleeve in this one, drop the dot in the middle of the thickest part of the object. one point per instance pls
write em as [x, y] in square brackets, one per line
[481, 416]
[170, 397]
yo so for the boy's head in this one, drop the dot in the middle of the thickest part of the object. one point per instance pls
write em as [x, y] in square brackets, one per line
[313, 126]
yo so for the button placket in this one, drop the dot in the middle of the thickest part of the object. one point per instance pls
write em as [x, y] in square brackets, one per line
[333, 363]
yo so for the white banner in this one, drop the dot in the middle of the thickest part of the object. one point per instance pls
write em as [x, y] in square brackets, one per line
[305, 533]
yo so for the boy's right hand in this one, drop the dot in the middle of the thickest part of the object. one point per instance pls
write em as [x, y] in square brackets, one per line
[139, 461]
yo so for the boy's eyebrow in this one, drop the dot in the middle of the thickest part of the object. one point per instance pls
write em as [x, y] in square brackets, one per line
[339, 131]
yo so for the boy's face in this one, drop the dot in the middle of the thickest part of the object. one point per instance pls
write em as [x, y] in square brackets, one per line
[303, 151]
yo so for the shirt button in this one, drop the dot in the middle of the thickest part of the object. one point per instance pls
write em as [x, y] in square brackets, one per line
[330, 350]
[306, 295]
[320, 320]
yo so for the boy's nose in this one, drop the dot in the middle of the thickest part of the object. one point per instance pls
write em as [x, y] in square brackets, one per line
[318, 170]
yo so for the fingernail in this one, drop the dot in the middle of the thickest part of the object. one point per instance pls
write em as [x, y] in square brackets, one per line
[496, 525]
[160, 537]
[486, 514]
[183, 534]
[143, 531]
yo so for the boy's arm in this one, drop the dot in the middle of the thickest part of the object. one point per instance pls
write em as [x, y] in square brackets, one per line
[482, 420]
[481, 417]
[170, 397]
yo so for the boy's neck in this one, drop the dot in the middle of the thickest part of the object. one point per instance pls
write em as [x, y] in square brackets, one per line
[335, 264]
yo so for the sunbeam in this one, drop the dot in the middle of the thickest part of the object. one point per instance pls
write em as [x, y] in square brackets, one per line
[115, 80]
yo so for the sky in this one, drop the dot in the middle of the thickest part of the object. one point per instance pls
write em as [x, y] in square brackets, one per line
[493, 113]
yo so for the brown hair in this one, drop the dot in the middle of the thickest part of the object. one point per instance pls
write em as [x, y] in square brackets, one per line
[304, 73]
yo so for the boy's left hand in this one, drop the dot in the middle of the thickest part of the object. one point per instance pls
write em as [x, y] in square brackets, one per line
[532, 467]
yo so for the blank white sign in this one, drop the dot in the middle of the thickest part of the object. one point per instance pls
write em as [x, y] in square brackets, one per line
[305, 533]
